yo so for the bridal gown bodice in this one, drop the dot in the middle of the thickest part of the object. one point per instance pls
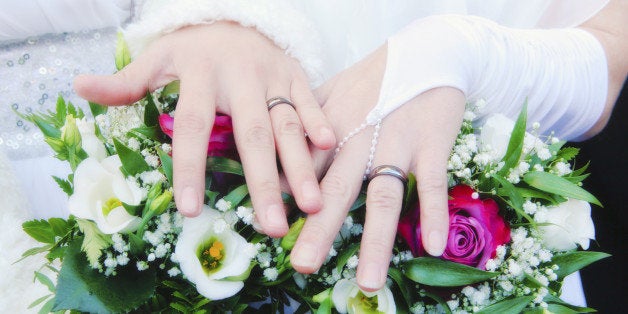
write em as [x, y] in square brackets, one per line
[44, 44]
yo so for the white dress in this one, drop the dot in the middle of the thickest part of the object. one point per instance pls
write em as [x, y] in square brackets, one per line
[45, 43]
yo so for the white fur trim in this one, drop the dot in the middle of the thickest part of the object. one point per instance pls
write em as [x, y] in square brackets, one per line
[288, 28]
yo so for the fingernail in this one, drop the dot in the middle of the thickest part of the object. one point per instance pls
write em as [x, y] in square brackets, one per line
[311, 196]
[304, 256]
[276, 218]
[188, 202]
[327, 133]
[371, 277]
[436, 243]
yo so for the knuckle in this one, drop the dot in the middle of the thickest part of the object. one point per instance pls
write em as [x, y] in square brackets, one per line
[259, 137]
[315, 232]
[375, 248]
[384, 198]
[333, 185]
[189, 124]
[288, 125]
[432, 183]
[265, 188]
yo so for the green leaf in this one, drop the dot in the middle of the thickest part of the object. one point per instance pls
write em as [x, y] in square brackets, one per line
[359, 202]
[508, 306]
[554, 184]
[533, 193]
[237, 195]
[568, 153]
[179, 307]
[132, 162]
[94, 241]
[515, 145]
[151, 114]
[172, 88]
[345, 255]
[36, 250]
[509, 190]
[226, 165]
[61, 111]
[574, 261]
[402, 283]
[411, 195]
[439, 300]
[97, 109]
[166, 164]
[439, 273]
[149, 132]
[39, 230]
[551, 299]
[65, 185]
[59, 226]
[39, 301]
[47, 307]
[45, 281]
[580, 170]
[48, 129]
[84, 289]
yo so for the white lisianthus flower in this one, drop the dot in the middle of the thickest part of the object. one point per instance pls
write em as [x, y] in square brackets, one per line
[89, 142]
[349, 298]
[496, 132]
[99, 191]
[213, 261]
[569, 224]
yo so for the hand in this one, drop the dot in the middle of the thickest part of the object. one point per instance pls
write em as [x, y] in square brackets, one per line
[417, 137]
[231, 69]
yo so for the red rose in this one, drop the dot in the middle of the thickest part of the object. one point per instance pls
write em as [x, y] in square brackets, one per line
[221, 141]
[475, 229]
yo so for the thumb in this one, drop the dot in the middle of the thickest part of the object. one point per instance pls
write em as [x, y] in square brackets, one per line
[127, 86]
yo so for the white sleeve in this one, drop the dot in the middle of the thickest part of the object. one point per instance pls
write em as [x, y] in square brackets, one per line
[561, 73]
[276, 19]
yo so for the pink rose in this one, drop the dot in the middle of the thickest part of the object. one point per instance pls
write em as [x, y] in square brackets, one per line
[221, 141]
[475, 229]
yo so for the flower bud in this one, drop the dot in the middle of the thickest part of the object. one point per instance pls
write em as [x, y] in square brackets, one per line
[123, 56]
[288, 241]
[161, 203]
[70, 133]
[154, 191]
[55, 143]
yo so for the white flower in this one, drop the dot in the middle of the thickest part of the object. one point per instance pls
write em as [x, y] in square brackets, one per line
[89, 142]
[570, 223]
[211, 260]
[349, 298]
[496, 134]
[271, 274]
[99, 191]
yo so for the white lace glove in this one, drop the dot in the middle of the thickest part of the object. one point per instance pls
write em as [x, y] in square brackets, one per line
[562, 73]
[276, 19]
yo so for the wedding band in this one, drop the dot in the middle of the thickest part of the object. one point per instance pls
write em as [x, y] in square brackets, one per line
[388, 170]
[278, 101]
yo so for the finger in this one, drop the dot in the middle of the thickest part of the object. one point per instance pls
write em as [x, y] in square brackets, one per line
[293, 152]
[340, 188]
[311, 115]
[194, 118]
[383, 205]
[147, 73]
[444, 107]
[256, 147]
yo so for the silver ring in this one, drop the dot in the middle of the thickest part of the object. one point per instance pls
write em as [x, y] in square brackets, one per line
[278, 101]
[388, 170]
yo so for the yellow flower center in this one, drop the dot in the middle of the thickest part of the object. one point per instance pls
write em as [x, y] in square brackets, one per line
[211, 255]
[362, 304]
[110, 205]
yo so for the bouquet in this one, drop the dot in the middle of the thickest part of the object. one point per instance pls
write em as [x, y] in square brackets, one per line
[519, 223]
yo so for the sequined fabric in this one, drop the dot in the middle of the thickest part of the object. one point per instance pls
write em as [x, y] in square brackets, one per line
[35, 71]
